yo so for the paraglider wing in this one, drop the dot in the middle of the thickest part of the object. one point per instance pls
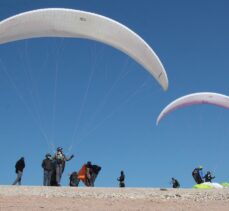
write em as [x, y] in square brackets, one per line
[96, 169]
[58, 22]
[82, 174]
[195, 98]
[208, 185]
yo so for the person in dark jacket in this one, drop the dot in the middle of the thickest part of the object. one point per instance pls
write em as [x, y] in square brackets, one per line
[121, 180]
[73, 179]
[47, 166]
[19, 167]
[208, 177]
[175, 183]
[60, 160]
[198, 175]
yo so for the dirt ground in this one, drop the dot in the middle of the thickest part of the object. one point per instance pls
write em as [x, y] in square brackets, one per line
[101, 199]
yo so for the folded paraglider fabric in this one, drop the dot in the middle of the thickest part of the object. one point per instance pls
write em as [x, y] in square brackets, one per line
[225, 184]
[82, 174]
[208, 185]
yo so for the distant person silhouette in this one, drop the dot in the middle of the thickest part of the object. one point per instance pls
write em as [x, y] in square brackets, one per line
[208, 177]
[48, 167]
[19, 167]
[121, 179]
[175, 183]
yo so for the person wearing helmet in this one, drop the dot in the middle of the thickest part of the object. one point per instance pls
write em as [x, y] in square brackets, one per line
[198, 175]
[47, 166]
[60, 160]
[208, 177]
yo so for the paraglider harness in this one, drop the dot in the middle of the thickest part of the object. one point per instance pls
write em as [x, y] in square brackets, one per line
[59, 157]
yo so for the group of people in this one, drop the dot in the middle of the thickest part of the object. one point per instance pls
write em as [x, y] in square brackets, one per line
[53, 168]
[198, 176]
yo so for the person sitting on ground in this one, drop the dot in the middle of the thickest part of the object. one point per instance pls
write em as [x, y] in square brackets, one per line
[175, 183]
[73, 179]
[19, 167]
[60, 160]
[47, 166]
[198, 175]
[121, 179]
[208, 177]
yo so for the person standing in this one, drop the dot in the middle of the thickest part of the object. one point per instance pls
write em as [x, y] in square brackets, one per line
[47, 166]
[60, 160]
[19, 167]
[121, 180]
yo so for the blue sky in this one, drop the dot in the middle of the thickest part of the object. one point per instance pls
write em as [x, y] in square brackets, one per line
[58, 86]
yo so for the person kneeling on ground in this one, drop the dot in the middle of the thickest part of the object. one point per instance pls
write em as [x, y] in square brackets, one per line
[73, 179]
[208, 177]
[175, 183]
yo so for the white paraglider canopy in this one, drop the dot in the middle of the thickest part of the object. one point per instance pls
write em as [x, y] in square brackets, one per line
[195, 98]
[58, 22]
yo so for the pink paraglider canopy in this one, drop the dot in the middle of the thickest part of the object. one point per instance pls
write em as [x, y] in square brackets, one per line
[195, 98]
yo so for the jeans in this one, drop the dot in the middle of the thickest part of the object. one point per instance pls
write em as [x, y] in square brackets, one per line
[47, 178]
[18, 179]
